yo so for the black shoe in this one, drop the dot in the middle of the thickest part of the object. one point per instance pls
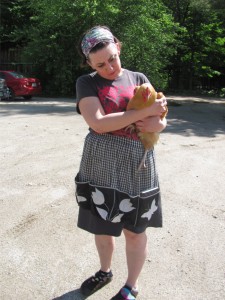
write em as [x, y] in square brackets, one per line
[125, 293]
[96, 282]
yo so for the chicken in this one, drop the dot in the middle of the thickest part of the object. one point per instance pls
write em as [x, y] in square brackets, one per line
[144, 96]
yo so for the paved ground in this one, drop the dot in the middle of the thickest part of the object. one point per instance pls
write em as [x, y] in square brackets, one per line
[42, 253]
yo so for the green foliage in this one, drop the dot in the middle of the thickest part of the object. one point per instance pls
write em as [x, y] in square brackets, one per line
[54, 28]
[52, 43]
[149, 35]
[222, 92]
[172, 42]
[200, 51]
[53, 35]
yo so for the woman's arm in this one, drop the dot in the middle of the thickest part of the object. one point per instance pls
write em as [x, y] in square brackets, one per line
[93, 113]
[152, 124]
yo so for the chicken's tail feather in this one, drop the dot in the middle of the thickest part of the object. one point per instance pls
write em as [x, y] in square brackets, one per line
[130, 128]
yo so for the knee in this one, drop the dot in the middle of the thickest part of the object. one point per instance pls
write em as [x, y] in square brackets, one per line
[105, 241]
[136, 239]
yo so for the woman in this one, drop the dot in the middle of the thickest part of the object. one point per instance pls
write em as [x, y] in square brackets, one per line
[113, 196]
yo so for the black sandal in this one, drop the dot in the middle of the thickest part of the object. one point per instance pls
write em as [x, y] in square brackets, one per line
[96, 282]
[126, 293]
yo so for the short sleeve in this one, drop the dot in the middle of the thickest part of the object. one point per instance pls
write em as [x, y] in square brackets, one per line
[84, 88]
[142, 78]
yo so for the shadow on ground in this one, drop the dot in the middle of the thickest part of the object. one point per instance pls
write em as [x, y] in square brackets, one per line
[187, 116]
[50, 106]
[200, 118]
[73, 295]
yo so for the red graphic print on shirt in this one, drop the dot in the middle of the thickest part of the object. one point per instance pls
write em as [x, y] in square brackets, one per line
[115, 99]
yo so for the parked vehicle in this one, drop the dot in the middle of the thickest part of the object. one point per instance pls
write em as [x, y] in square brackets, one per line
[21, 86]
[4, 90]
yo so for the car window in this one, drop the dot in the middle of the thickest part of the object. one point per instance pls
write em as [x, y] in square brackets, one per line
[17, 75]
[2, 75]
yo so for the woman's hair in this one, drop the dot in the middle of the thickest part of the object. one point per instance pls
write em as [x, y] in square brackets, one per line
[98, 46]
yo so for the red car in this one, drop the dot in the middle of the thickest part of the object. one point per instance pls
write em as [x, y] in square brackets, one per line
[21, 86]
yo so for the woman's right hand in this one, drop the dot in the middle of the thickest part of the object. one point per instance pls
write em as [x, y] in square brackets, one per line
[158, 107]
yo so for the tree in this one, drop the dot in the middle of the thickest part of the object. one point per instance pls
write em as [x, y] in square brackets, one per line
[175, 41]
[201, 43]
[149, 38]
[55, 27]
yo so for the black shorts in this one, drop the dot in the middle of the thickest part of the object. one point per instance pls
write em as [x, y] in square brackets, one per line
[93, 224]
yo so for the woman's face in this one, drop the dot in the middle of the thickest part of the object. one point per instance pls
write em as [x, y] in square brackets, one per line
[106, 61]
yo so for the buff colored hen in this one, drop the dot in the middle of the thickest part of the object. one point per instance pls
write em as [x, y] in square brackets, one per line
[144, 96]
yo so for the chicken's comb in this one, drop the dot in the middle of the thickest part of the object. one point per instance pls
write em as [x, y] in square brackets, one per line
[145, 94]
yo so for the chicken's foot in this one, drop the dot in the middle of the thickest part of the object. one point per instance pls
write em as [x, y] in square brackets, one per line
[142, 163]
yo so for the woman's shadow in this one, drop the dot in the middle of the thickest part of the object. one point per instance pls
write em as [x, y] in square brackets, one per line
[73, 295]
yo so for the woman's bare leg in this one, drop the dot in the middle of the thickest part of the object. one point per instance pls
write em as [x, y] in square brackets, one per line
[105, 245]
[136, 252]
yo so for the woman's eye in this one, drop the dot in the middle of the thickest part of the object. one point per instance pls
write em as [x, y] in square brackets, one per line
[113, 58]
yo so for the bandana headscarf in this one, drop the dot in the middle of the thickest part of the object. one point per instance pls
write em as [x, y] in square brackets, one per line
[94, 37]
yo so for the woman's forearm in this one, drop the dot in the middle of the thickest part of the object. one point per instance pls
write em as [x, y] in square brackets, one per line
[100, 122]
[116, 121]
[152, 124]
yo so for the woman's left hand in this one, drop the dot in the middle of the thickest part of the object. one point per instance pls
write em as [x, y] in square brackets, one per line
[151, 124]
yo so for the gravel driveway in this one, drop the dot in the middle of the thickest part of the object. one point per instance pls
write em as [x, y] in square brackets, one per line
[45, 256]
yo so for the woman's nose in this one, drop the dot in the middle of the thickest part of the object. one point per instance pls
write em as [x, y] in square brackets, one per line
[109, 67]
